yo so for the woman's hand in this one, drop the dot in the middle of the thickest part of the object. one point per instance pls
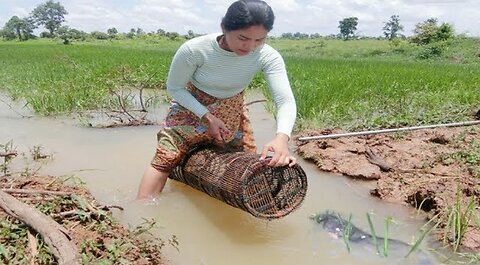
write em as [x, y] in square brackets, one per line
[216, 127]
[279, 147]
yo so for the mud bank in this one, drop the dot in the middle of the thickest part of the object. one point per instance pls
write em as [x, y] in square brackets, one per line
[436, 170]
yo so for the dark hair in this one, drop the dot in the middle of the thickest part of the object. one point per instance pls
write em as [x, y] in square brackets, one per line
[245, 13]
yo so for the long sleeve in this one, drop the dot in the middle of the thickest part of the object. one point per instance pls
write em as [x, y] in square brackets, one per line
[223, 74]
[181, 71]
[279, 86]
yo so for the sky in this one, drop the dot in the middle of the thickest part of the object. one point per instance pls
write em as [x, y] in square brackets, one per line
[204, 16]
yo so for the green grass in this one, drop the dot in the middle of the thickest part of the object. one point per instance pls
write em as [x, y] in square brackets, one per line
[368, 93]
[361, 84]
[374, 84]
[347, 232]
[55, 78]
[372, 232]
[459, 220]
[426, 229]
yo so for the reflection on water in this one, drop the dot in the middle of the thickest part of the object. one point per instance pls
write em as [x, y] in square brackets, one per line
[111, 162]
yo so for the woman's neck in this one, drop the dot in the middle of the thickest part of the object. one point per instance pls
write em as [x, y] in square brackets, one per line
[222, 42]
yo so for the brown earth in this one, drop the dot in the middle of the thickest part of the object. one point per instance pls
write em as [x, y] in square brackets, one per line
[430, 169]
[90, 226]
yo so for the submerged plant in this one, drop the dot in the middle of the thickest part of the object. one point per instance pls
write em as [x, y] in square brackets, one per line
[458, 220]
[347, 232]
[425, 230]
[386, 234]
[37, 153]
[372, 231]
[7, 152]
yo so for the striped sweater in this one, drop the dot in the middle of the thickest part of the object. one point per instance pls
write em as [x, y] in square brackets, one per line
[223, 74]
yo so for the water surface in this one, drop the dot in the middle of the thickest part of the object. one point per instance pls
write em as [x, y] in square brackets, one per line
[111, 162]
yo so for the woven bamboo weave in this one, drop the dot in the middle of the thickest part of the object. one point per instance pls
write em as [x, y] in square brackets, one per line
[241, 180]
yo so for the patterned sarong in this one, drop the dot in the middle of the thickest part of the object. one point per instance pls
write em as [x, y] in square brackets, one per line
[183, 130]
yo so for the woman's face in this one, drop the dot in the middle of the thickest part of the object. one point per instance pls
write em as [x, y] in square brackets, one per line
[244, 41]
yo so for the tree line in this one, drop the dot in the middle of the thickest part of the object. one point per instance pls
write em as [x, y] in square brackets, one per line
[51, 15]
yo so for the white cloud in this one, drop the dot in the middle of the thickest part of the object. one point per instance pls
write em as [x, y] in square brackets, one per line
[421, 2]
[167, 3]
[284, 5]
[307, 16]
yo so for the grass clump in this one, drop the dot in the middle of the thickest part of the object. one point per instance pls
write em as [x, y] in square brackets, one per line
[59, 79]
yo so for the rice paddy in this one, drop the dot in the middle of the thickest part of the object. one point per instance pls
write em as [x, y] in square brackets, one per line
[346, 84]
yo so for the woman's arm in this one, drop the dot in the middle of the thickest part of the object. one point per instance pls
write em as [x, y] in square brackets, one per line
[181, 71]
[182, 68]
[279, 86]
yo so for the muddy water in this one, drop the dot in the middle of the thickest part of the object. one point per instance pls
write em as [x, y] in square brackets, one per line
[111, 162]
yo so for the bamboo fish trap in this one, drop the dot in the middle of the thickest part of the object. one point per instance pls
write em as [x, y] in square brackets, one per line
[243, 181]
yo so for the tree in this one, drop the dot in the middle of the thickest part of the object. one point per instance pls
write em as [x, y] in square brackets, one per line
[445, 32]
[299, 36]
[78, 34]
[112, 33]
[287, 35]
[392, 27]
[190, 35]
[161, 32]
[18, 28]
[50, 15]
[6, 34]
[429, 31]
[65, 33]
[172, 35]
[347, 27]
[131, 34]
[46, 35]
[139, 32]
[99, 35]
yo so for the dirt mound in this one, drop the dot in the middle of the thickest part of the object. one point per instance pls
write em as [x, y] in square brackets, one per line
[436, 170]
[99, 238]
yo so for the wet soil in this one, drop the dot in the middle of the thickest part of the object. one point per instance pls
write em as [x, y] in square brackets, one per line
[436, 170]
[100, 239]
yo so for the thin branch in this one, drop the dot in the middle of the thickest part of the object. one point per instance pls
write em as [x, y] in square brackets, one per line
[10, 107]
[54, 234]
[403, 129]
[7, 154]
[32, 246]
[64, 214]
[107, 207]
[42, 192]
[255, 101]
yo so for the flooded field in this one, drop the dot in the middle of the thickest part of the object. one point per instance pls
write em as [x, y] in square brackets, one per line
[111, 162]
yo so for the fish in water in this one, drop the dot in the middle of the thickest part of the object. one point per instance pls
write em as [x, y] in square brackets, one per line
[338, 227]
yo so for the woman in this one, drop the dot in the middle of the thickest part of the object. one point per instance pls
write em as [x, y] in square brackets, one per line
[207, 78]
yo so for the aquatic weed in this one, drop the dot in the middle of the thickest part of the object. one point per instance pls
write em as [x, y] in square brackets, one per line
[372, 231]
[7, 152]
[346, 233]
[458, 220]
[425, 230]
[386, 235]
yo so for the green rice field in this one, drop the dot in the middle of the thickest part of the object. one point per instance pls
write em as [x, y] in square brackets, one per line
[360, 84]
